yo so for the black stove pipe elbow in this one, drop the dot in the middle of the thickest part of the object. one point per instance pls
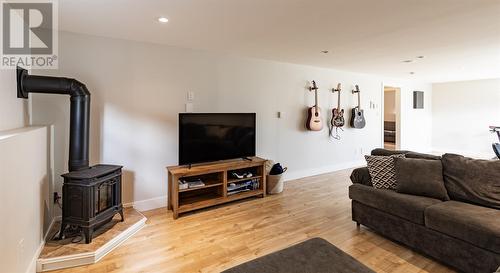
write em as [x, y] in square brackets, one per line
[80, 110]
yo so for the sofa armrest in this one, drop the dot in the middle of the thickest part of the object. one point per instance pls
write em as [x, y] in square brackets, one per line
[361, 176]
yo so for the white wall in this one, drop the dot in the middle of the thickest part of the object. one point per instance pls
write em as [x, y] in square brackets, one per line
[25, 198]
[25, 181]
[13, 111]
[462, 112]
[415, 124]
[138, 89]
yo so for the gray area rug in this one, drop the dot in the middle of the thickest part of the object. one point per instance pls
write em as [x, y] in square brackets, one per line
[312, 256]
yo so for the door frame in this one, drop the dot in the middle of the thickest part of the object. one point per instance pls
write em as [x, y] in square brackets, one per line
[397, 105]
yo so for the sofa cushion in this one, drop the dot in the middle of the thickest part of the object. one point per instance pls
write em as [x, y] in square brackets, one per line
[382, 171]
[385, 152]
[408, 154]
[361, 176]
[477, 225]
[422, 156]
[420, 177]
[472, 180]
[409, 207]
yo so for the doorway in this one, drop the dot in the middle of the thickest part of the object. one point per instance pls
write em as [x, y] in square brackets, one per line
[391, 118]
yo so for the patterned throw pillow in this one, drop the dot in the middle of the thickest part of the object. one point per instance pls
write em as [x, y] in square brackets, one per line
[383, 171]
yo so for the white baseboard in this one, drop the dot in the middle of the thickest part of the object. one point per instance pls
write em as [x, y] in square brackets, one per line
[47, 232]
[149, 204]
[291, 175]
[33, 267]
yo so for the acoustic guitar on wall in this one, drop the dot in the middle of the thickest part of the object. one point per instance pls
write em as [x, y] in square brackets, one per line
[357, 114]
[314, 122]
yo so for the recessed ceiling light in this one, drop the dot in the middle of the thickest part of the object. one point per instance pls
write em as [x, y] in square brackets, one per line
[420, 57]
[408, 61]
[163, 20]
[324, 51]
[412, 73]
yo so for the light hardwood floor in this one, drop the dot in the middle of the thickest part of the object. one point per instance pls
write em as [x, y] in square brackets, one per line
[222, 237]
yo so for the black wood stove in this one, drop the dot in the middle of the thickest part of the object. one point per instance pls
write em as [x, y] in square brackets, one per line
[91, 195]
[91, 198]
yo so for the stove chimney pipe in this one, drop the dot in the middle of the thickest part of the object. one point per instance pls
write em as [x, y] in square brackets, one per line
[80, 110]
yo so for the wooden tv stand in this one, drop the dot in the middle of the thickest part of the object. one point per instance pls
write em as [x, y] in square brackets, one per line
[216, 176]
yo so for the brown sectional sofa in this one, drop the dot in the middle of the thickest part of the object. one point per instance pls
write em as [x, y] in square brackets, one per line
[462, 235]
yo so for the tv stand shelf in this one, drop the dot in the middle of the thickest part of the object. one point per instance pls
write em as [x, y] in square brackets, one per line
[236, 180]
[217, 176]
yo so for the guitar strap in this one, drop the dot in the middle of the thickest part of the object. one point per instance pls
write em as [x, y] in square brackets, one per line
[331, 127]
[336, 135]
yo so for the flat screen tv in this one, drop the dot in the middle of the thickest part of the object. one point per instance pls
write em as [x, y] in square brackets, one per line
[205, 137]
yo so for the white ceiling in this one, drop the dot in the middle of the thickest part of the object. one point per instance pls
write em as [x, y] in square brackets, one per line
[460, 39]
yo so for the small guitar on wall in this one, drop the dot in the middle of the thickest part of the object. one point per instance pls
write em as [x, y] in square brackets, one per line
[338, 114]
[357, 114]
[314, 122]
[337, 121]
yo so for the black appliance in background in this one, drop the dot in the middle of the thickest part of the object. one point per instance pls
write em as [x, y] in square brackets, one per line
[91, 195]
[418, 100]
[205, 137]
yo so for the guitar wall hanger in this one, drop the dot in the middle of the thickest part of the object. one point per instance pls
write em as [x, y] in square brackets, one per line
[356, 90]
[314, 87]
[336, 89]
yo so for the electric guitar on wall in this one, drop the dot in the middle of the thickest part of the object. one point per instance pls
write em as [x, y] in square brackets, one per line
[337, 113]
[314, 122]
[357, 114]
